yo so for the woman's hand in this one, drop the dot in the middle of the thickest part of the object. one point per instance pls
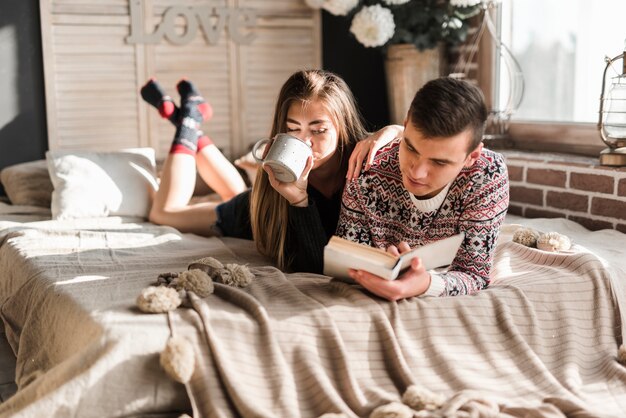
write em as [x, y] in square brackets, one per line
[366, 149]
[295, 192]
[414, 282]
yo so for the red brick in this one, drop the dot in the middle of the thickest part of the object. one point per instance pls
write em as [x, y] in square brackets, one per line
[592, 224]
[540, 213]
[547, 177]
[621, 187]
[608, 207]
[526, 195]
[592, 182]
[516, 210]
[516, 173]
[571, 201]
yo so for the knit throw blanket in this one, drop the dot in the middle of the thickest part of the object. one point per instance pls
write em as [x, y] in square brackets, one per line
[542, 341]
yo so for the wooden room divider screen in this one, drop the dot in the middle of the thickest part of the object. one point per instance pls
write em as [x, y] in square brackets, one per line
[98, 53]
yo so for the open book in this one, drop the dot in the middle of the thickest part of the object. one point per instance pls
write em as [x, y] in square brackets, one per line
[341, 254]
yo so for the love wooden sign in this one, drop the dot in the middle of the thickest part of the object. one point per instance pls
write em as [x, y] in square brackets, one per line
[239, 23]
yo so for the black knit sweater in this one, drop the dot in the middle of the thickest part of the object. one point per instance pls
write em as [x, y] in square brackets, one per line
[308, 231]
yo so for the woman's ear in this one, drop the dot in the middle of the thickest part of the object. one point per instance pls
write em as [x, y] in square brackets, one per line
[474, 155]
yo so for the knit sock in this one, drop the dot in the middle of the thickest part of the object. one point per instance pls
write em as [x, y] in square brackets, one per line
[203, 141]
[188, 131]
[152, 93]
[187, 89]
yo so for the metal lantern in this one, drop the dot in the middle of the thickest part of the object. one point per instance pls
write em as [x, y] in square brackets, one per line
[612, 120]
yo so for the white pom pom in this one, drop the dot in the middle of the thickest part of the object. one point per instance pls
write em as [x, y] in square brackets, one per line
[392, 410]
[238, 275]
[196, 281]
[158, 299]
[419, 398]
[553, 241]
[177, 359]
[526, 236]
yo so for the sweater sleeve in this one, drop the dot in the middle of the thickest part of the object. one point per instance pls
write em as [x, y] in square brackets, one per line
[306, 238]
[353, 223]
[480, 220]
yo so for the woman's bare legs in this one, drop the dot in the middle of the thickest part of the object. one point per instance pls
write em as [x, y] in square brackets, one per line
[171, 202]
[170, 205]
[219, 173]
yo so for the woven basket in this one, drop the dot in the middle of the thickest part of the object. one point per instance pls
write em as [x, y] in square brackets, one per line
[407, 70]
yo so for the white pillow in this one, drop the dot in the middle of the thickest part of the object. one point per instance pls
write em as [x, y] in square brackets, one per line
[94, 184]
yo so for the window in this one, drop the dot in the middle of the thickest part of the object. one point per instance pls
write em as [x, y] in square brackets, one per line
[560, 46]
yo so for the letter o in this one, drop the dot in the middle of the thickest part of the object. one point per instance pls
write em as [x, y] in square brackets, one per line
[169, 22]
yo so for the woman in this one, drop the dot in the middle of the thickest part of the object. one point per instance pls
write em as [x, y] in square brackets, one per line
[290, 222]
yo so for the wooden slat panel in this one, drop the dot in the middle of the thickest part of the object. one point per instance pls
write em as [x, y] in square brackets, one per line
[93, 75]
[276, 54]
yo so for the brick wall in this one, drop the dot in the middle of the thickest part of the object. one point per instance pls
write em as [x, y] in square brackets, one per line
[576, 188]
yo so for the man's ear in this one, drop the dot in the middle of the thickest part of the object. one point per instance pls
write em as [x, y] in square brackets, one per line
[474, 155]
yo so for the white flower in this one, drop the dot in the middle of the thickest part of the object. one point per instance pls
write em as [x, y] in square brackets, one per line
[339, 7]
[395, 2]
[314, 4]
[373, 25]
[464, 3]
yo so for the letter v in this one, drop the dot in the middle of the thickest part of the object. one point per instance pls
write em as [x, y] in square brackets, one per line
[211, 31]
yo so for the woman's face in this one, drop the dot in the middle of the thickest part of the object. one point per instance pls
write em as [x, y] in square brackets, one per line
[312, 123]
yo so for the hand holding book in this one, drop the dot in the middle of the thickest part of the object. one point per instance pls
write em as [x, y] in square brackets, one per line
[393, 274]
[412, 282]
[341, 254]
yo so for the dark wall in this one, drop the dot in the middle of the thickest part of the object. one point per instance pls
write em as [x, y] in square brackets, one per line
[361, 67]
[23, 135]
[22, 106]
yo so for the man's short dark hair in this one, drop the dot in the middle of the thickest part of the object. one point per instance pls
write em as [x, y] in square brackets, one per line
[446, 106]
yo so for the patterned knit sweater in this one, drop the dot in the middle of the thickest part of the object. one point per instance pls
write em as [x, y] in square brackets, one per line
[378, 211]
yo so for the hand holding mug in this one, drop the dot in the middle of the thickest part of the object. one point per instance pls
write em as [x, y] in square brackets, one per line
[287, 156]
[288, 162]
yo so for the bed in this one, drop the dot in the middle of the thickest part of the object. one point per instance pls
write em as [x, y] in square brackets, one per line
[543, 340]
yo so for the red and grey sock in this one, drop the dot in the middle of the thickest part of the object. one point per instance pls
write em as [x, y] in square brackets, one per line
[152, 93]
[193, 111]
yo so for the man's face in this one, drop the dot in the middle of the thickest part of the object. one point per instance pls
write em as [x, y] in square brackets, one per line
[429, 164]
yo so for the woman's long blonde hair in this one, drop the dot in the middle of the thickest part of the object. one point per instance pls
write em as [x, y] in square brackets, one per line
[268, 209]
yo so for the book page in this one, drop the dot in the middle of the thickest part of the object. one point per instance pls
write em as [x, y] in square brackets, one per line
[434, 254]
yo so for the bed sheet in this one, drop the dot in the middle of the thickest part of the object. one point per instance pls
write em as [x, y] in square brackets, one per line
[544, 337]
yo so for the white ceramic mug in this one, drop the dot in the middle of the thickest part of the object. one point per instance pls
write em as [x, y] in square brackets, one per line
[287, 156]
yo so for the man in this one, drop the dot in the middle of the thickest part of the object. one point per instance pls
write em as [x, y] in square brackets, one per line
[434, 182]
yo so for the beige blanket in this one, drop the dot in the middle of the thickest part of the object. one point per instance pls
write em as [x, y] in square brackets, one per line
[546, 332]
[541, 341]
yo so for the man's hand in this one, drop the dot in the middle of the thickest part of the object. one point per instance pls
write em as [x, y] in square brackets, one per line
[366, 148]
[414, 282]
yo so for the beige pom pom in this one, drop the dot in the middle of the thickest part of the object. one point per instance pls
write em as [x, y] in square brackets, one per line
[419, 398]
[158, 299]
[621, 354]
[333, 415]
[184, 416]
[392, 410]
[209, 265]
[553, 241]
[238, 275]
[196, 281]
[178, 359]
[526, 236]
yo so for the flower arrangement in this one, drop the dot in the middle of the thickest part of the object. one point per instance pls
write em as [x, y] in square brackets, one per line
[424, 23]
